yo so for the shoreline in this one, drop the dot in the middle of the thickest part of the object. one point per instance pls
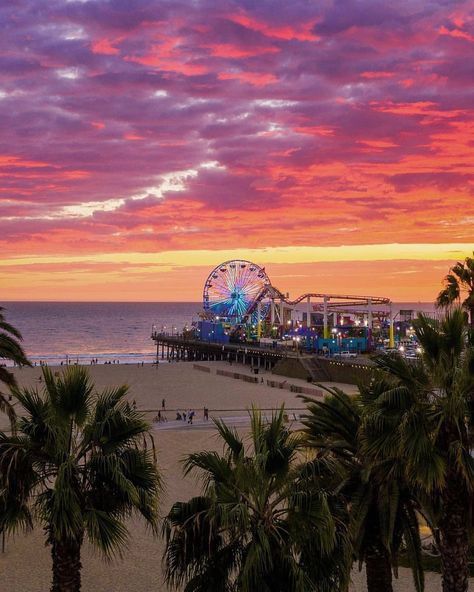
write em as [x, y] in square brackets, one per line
[106, 358]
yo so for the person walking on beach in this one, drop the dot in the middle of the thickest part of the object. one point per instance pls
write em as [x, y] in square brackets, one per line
[163, 404]
[206, 414]
[190, 417]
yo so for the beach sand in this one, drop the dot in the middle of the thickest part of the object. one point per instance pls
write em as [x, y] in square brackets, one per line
[25, 565]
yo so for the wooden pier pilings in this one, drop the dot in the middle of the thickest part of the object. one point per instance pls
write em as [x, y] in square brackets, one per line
[176, 347]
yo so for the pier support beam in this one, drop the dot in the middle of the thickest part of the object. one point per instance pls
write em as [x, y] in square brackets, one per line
[259, 319]
[392, 332]
[370, 321]
[325, 318]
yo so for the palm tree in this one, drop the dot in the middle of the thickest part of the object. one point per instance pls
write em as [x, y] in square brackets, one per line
[382, 509]
[461, 279]
[79, 466]
[10, 349]
[431, 414]
[260, 523]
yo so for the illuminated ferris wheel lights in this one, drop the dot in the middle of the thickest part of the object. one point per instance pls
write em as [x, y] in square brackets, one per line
[236, 290]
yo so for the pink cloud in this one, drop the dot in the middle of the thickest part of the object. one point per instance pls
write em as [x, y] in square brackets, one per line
[228, 50]
[204, 125]
[456, 33]
[303, 32]
[253, 78]
[105, 47]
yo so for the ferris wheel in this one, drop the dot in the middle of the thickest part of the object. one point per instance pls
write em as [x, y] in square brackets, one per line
[232, 289]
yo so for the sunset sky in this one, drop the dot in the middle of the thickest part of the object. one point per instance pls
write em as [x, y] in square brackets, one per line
[143, 142]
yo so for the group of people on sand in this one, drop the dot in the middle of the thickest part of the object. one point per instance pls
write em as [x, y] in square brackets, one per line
[190, 414]
[186, 416]
[160, 417]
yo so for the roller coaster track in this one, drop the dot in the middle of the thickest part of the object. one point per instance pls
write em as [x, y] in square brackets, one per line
[274, 293]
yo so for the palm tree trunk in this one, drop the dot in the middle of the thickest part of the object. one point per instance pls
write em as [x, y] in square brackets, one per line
[66, 566]
[378, 570]
[454, 540]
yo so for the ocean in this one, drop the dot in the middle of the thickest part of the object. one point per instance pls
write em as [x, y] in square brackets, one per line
[54, 332]
[79, 331]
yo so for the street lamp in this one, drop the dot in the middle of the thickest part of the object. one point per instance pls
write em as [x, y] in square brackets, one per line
[334, 333]
[339, 341]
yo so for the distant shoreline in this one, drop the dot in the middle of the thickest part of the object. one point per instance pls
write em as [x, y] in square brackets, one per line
[61, 360]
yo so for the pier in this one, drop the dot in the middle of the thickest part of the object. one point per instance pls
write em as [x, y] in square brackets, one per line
[283, 362]
[179, 347]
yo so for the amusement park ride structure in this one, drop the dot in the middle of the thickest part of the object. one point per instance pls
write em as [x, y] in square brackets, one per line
[240, 292]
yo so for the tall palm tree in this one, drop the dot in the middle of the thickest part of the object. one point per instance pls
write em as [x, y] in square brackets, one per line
[260, 523]
[431, 414]
[79, 467]
[10, 349]
[382, 509]
[461, 279]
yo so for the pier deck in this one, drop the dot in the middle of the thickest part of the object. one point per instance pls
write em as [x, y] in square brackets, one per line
[177, 347]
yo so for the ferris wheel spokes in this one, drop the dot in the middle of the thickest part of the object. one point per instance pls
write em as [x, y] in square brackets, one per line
[233, 288]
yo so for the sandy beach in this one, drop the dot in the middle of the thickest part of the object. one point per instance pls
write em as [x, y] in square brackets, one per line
[25, 565]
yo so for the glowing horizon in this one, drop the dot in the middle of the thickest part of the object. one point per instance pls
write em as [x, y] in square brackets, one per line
[143, 145]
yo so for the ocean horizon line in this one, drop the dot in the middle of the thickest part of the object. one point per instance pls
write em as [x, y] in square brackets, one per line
[101, 301]
[430, 302]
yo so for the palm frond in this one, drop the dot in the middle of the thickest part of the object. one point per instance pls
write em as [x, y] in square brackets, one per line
[69, 392]
[215, 468]
[230, 438]
[450, 293]
[106, 532]
[412, 541]
[114, 423]
[8, 408]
